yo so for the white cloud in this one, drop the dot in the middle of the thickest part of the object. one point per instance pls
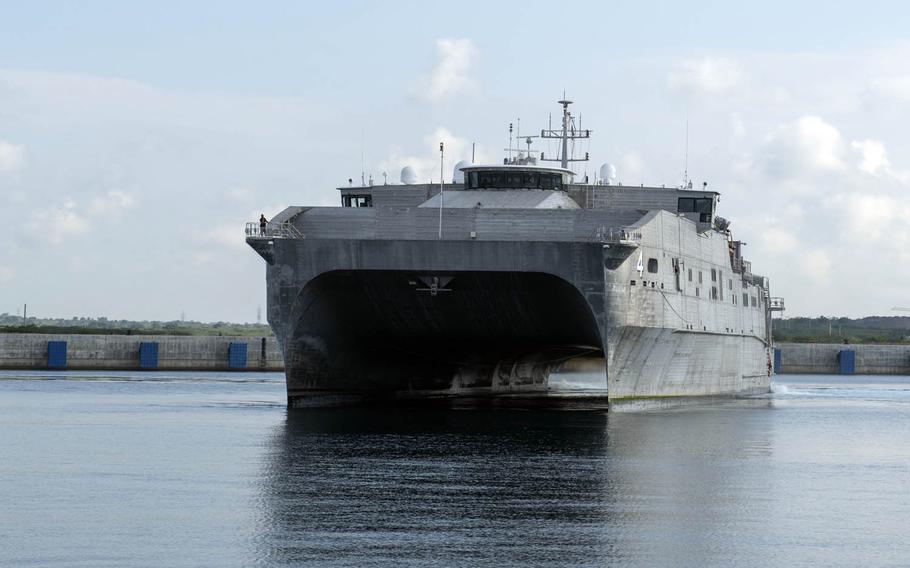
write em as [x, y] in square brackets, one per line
[426, 162]
[7, 273]
[452, 73]
[56, 224]
[816, 265]
[808, 145]
[872, 217]
[112, 203]
[241, 194]
[896, 88]
[12, 157]
[779, 239]
[707, 76]
[874, 160]
[631, 169]
[229, 236]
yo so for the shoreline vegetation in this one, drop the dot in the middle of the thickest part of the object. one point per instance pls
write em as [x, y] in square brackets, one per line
[103, 326]
[869, 330]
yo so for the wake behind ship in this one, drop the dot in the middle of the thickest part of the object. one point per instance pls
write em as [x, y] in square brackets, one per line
[485, 284]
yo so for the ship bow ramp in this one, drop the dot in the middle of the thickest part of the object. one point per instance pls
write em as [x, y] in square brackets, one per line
[391, 319]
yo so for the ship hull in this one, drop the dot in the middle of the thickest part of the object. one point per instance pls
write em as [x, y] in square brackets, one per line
[653, 363]
[362, 320]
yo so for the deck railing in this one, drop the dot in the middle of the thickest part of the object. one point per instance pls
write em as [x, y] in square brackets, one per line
[622, 237]
[285, 230]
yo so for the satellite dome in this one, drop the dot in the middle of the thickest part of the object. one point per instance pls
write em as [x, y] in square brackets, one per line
[608, 174]
[458, 175]
[408, 175]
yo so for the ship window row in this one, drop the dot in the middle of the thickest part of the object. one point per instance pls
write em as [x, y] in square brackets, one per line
[717, 291]
[513, 180]
[357, 201]
[749, 300]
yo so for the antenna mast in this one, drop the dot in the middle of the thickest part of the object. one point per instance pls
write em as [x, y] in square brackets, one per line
[686, 170]
[567, 133]
[441, 177]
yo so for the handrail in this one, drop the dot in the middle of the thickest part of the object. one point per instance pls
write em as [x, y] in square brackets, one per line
[622, 237]
[285, 230]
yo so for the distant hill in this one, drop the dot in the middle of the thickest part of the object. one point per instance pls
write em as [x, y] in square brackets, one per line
[872, 329]
[14, 324]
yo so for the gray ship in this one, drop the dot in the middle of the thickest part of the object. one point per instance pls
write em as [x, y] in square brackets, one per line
[484, 284]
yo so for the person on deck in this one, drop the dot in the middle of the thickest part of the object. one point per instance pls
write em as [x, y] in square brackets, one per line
[262, 223]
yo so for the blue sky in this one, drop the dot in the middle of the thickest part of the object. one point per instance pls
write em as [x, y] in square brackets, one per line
[136, 139]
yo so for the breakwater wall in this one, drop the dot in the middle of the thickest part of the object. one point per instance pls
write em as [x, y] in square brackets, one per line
[841, 359]
[142, 352]
[208, 353]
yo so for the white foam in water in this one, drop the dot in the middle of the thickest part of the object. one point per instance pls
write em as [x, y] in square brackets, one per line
[780, 389]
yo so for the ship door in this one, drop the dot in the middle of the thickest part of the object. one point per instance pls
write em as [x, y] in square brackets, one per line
[679, 272]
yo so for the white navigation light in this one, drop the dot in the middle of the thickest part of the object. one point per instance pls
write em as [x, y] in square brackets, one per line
[458, 175]
[608, 174]
[408, 175]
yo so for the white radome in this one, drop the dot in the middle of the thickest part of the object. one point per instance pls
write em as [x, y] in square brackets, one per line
[608, 173]
[457, 174]
[408, 175]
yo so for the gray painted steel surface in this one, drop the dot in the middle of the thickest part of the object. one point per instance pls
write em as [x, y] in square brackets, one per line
[369, 302]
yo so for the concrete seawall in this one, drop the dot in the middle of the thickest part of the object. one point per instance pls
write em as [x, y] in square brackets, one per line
[145, 352]
[207, 353]
[839, 358]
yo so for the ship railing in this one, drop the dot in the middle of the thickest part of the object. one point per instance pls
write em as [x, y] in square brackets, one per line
[760, 281]
[776, 304]
[285, 230]
[621, 237]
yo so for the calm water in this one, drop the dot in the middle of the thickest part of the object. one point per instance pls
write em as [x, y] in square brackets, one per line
[212, 470]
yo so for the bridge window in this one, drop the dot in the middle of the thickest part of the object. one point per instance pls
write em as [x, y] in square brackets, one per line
[652, 265]
[501, 179]
[704, 206]
[357, 201]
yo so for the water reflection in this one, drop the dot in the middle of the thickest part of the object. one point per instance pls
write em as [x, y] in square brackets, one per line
[495, 486]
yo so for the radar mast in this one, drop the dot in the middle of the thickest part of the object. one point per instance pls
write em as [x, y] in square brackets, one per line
[568, 133]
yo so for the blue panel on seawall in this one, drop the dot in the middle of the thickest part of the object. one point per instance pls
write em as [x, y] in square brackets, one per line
[237, 355]
[148, 355]
[56, 354]
[846, 361]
